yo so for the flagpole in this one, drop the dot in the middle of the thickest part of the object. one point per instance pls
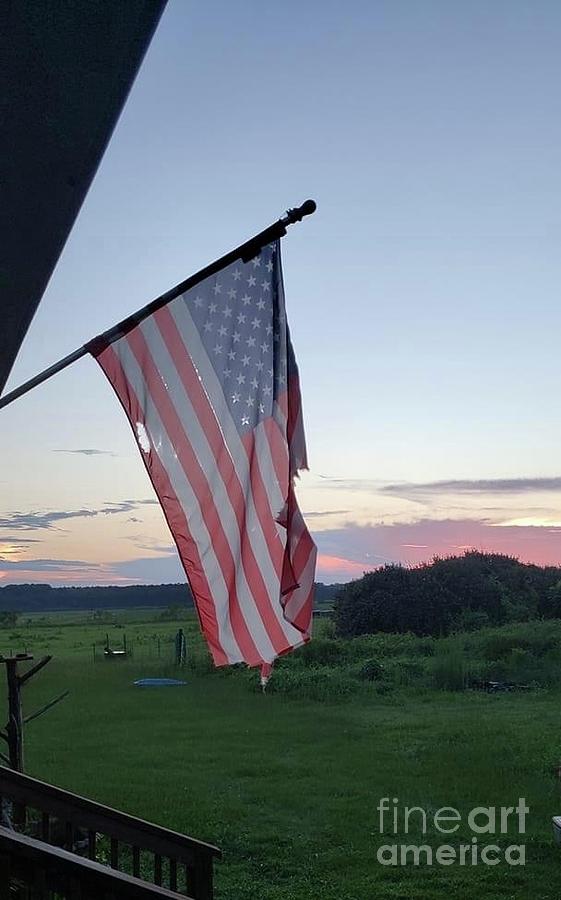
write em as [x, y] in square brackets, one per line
[244, 252]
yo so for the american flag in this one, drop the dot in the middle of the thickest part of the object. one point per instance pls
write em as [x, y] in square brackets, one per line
[210, 386]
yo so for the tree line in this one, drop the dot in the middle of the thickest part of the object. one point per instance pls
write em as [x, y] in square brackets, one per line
[44, 598]
[18, 598]
[457, 593]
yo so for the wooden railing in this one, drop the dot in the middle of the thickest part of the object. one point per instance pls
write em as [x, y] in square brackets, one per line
[109, 839]
[33, 869]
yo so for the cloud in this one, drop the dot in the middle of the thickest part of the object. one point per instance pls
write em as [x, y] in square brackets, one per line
[336, 569]
[145, 570]
[327, 512]
[19, 540]
[146, 543]
[122, 506]
[42, 565]
[32, 520]
[352, 484]
[474, 486]
[88, 452]
[416, 542]
[37, 520]
[151, 570]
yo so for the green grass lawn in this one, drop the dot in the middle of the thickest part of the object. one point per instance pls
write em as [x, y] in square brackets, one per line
[288, 787]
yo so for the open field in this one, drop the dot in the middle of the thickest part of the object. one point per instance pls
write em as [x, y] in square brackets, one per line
[287, 784]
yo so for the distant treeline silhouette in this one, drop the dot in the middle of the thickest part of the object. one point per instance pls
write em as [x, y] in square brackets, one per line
[457, 593]
[44, 598]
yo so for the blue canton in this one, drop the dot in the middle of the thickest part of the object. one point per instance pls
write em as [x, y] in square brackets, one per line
[239, 314]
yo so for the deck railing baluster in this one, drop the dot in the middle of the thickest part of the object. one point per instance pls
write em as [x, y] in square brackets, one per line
[114, 853]
[46, 827]
[157, 869]
[189, 881]
[172, 874]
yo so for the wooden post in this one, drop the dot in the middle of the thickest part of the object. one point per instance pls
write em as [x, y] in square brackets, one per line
[13, 733]
[14, 727]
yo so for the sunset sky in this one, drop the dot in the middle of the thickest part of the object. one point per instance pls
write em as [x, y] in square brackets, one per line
[423, 295]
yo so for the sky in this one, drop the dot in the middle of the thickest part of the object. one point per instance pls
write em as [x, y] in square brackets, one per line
[423, 295]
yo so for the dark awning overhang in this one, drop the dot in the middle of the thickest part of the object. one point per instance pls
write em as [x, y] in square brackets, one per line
[66, 69]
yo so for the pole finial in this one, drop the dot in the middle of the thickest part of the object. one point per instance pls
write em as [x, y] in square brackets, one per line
[296, 215]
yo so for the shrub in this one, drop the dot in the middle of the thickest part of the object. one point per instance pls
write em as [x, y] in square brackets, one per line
[385, 645]
[370, 670]
[318, 683]
[322, 652]
[200, 663]
[425, 646]
[408, 672]
[449, 671]
[500, 646]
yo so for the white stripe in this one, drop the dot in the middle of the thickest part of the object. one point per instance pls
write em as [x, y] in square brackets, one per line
[277, 499]
[162, 445]
[239, 459]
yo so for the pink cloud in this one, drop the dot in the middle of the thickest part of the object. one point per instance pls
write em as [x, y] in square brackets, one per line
[335, 568]
[360, 547]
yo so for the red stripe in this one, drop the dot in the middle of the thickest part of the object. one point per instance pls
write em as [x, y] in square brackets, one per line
[301, 550]
[265, 514]
[303, 618]
[290, 572]
[207, 418]
[279, 455]
[289, 580]
[293, 407]
[199, 484]
[301, 546]
[173, 510]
